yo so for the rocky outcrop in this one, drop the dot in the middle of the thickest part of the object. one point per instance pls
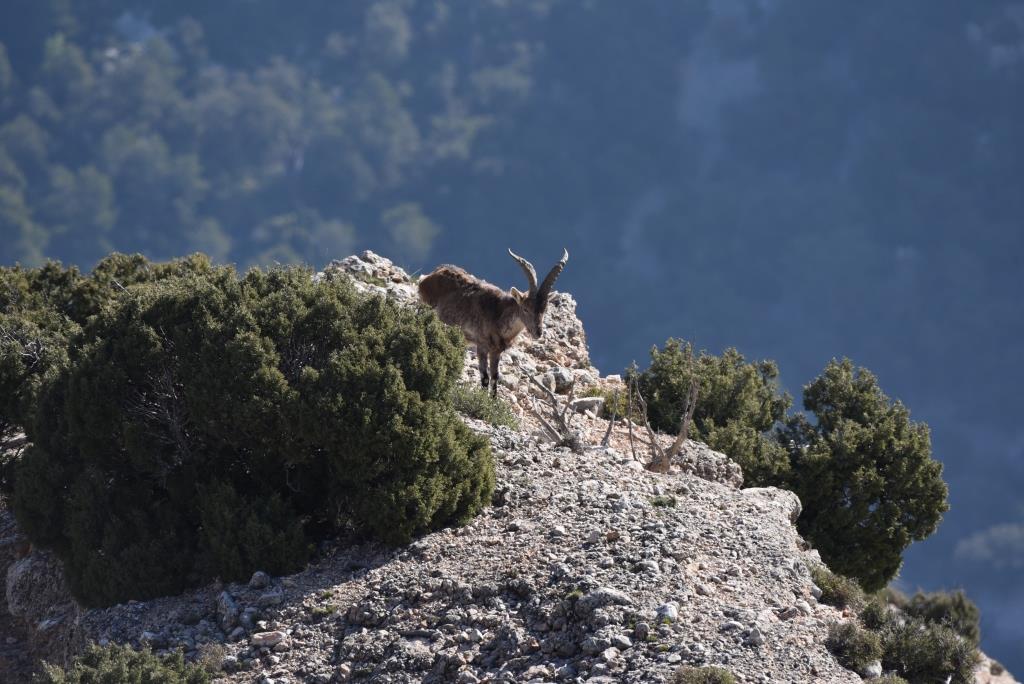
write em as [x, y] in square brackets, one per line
[587, 567]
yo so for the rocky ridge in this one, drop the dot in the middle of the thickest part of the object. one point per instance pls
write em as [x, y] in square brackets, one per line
[587, 567]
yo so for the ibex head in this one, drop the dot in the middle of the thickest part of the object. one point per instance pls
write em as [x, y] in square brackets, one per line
[534, 302]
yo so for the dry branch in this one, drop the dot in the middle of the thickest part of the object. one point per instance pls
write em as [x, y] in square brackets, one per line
[561, 431]
[606, 440]
[684, 428]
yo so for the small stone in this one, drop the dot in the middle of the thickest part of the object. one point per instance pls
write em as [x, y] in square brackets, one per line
[229, 663]
[610, 654]
[872, 670]
[268, 639]
[641, 631]
[558, 531]
[474, 635]
[674, 658]
[622, 642]
[755, 638]
[271, 598]
[702, 589]
[600, 597]
[803, 607]
[248, 618]
[563, 379]
[584, 404]
[260, 580]
[730, 626]
[815, 591]
[566, 672]
[648, 566]
[236, 634]
[227, 611]
[668, 612]
[282, 647]
[467, 677]
[594, 537]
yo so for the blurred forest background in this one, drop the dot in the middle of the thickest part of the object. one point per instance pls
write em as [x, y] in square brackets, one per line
[799, 179]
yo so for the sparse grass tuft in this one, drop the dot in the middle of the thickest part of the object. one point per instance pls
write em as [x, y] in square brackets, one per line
[703, 675]
[116, 663]
[838, 591]
[476, 402]
[320, 612]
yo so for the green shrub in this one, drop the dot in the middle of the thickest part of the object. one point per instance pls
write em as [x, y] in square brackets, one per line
[738, 403]
[42, 308]
[117, 664]
[836, 590]
[614, 402]
[207, 425]
[703, 675]
[478, 403]
[922, 652]
[68, 293]
[876, 615]
[952, 609]
[864, 474]
[33, 347]
[853, 647]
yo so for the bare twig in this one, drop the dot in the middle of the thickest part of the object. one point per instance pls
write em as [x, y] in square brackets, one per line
[568, 400]
[659, 461]
[548, 427]
[629, 417]
[561, 431]
[606, 440]
[684, 428]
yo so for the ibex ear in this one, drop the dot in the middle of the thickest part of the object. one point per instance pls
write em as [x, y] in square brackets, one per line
[517, 294]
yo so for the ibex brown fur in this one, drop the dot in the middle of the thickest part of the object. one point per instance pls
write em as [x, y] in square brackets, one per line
[489, 317]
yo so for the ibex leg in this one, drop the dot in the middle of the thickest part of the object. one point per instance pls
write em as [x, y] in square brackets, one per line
[495, 358]
[481, 360]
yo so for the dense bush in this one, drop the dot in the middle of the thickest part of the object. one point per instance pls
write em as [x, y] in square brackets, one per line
[855, 648]
[876, 614]
[864, 474]
[738, 404]
[952, 609]
[863, 471]
[206, 425]
[920, 642]
[926, 652]
[836, 590]
[41, 309]
[117, 664]
[703, 675]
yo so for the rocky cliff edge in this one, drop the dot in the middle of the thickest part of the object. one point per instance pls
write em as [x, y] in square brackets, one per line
[587, 567]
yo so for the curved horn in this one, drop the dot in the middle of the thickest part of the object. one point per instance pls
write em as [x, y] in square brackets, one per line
[531, 275]
[545, 287]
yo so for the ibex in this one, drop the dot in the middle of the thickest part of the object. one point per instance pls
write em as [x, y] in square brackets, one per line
[489, 317]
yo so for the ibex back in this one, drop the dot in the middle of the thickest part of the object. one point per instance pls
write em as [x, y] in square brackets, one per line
[490, 318]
